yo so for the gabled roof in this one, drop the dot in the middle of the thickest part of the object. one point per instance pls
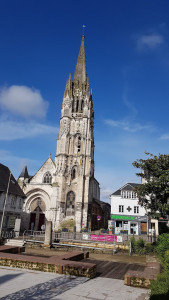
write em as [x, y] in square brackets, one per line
[128, 187]
[14, 187]
[50, 159]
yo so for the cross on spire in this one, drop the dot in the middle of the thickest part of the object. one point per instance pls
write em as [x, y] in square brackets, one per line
[83, 29]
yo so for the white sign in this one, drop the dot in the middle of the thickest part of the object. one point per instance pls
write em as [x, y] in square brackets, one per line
[17, 225]
[119, 239]
[85, 236]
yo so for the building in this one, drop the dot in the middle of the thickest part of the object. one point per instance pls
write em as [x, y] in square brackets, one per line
[127, 216]
[100, 214]
[64, 188]
[15, 198]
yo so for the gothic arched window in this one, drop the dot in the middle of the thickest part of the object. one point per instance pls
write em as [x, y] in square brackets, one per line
[70, 203]
[82, 105]
[77, 105]
[74, 173]
[79, 144]
[47, 178]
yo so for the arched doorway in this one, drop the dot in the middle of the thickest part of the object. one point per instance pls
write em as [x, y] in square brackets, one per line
[37, 216]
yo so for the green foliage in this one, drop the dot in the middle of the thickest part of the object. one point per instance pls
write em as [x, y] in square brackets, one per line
[150, 248]
[160, 287]
[138, 247]
[162, 245]
[69, 224]
[155, 171]
[166, 261]
[133, 245]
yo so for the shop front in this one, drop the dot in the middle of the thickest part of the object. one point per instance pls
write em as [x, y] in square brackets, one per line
[131, 225]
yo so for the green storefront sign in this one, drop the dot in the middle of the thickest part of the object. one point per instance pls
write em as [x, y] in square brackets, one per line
[116, 217]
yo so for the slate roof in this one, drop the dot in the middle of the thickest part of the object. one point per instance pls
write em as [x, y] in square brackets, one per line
[127, 186]
[14, 187]
[24, 173]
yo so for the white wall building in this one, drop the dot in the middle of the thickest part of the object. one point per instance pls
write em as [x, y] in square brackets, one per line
[127, 216]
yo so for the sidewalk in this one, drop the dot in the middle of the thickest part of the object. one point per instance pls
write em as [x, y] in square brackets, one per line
[18, 284]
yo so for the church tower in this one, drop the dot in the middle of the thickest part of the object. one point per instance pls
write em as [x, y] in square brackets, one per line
[66, 188]
[75, 149]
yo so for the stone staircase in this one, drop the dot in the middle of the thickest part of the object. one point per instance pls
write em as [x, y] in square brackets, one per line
[15, 243]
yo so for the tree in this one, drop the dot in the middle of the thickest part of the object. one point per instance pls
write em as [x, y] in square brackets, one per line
[154, 193]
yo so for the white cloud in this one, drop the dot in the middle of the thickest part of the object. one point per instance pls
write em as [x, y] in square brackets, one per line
[13, 130]
[127, 126]
[149, 41]
[164, 137]
[23, 101]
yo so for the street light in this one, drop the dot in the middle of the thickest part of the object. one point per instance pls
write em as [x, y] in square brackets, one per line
[4, 206]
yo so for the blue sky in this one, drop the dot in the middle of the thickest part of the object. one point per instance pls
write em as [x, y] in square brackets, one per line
[127, 54]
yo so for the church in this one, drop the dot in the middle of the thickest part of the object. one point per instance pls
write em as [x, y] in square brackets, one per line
[65, 188]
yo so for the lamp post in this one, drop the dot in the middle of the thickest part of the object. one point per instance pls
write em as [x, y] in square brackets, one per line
[4, 206]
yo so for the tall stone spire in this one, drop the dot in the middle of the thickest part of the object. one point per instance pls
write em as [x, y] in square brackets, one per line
[80, 71]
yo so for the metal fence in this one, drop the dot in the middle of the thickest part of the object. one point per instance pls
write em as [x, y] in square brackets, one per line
[59, 237]
[100, 238]
[87, 237]
[8, 234]
[34, 236]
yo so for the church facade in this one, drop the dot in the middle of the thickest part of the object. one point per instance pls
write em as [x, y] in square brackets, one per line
[66, 188]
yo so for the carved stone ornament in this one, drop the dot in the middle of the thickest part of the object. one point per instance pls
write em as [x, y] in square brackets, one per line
[67, 103]
[64, 128]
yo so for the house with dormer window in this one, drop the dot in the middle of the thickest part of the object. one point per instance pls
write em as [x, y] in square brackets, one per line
[127, 216]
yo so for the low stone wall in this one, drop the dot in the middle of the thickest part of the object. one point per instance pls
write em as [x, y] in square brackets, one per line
[94, 245]
[11, 249]
[62, 265]
[143, 278]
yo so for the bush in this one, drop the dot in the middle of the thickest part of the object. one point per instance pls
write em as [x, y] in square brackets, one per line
[149, 248]
[138, 247]
[67, 224]
[162, 245]
[133, 245]
[166, 261]
[160, 287]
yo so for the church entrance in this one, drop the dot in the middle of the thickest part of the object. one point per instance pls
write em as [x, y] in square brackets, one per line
[37, 216]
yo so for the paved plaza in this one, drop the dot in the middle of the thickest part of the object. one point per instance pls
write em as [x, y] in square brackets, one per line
[27, 284]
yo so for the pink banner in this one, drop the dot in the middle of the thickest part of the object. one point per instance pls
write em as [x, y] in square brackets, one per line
[93, 237]
[103, 238]
[111, 238]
